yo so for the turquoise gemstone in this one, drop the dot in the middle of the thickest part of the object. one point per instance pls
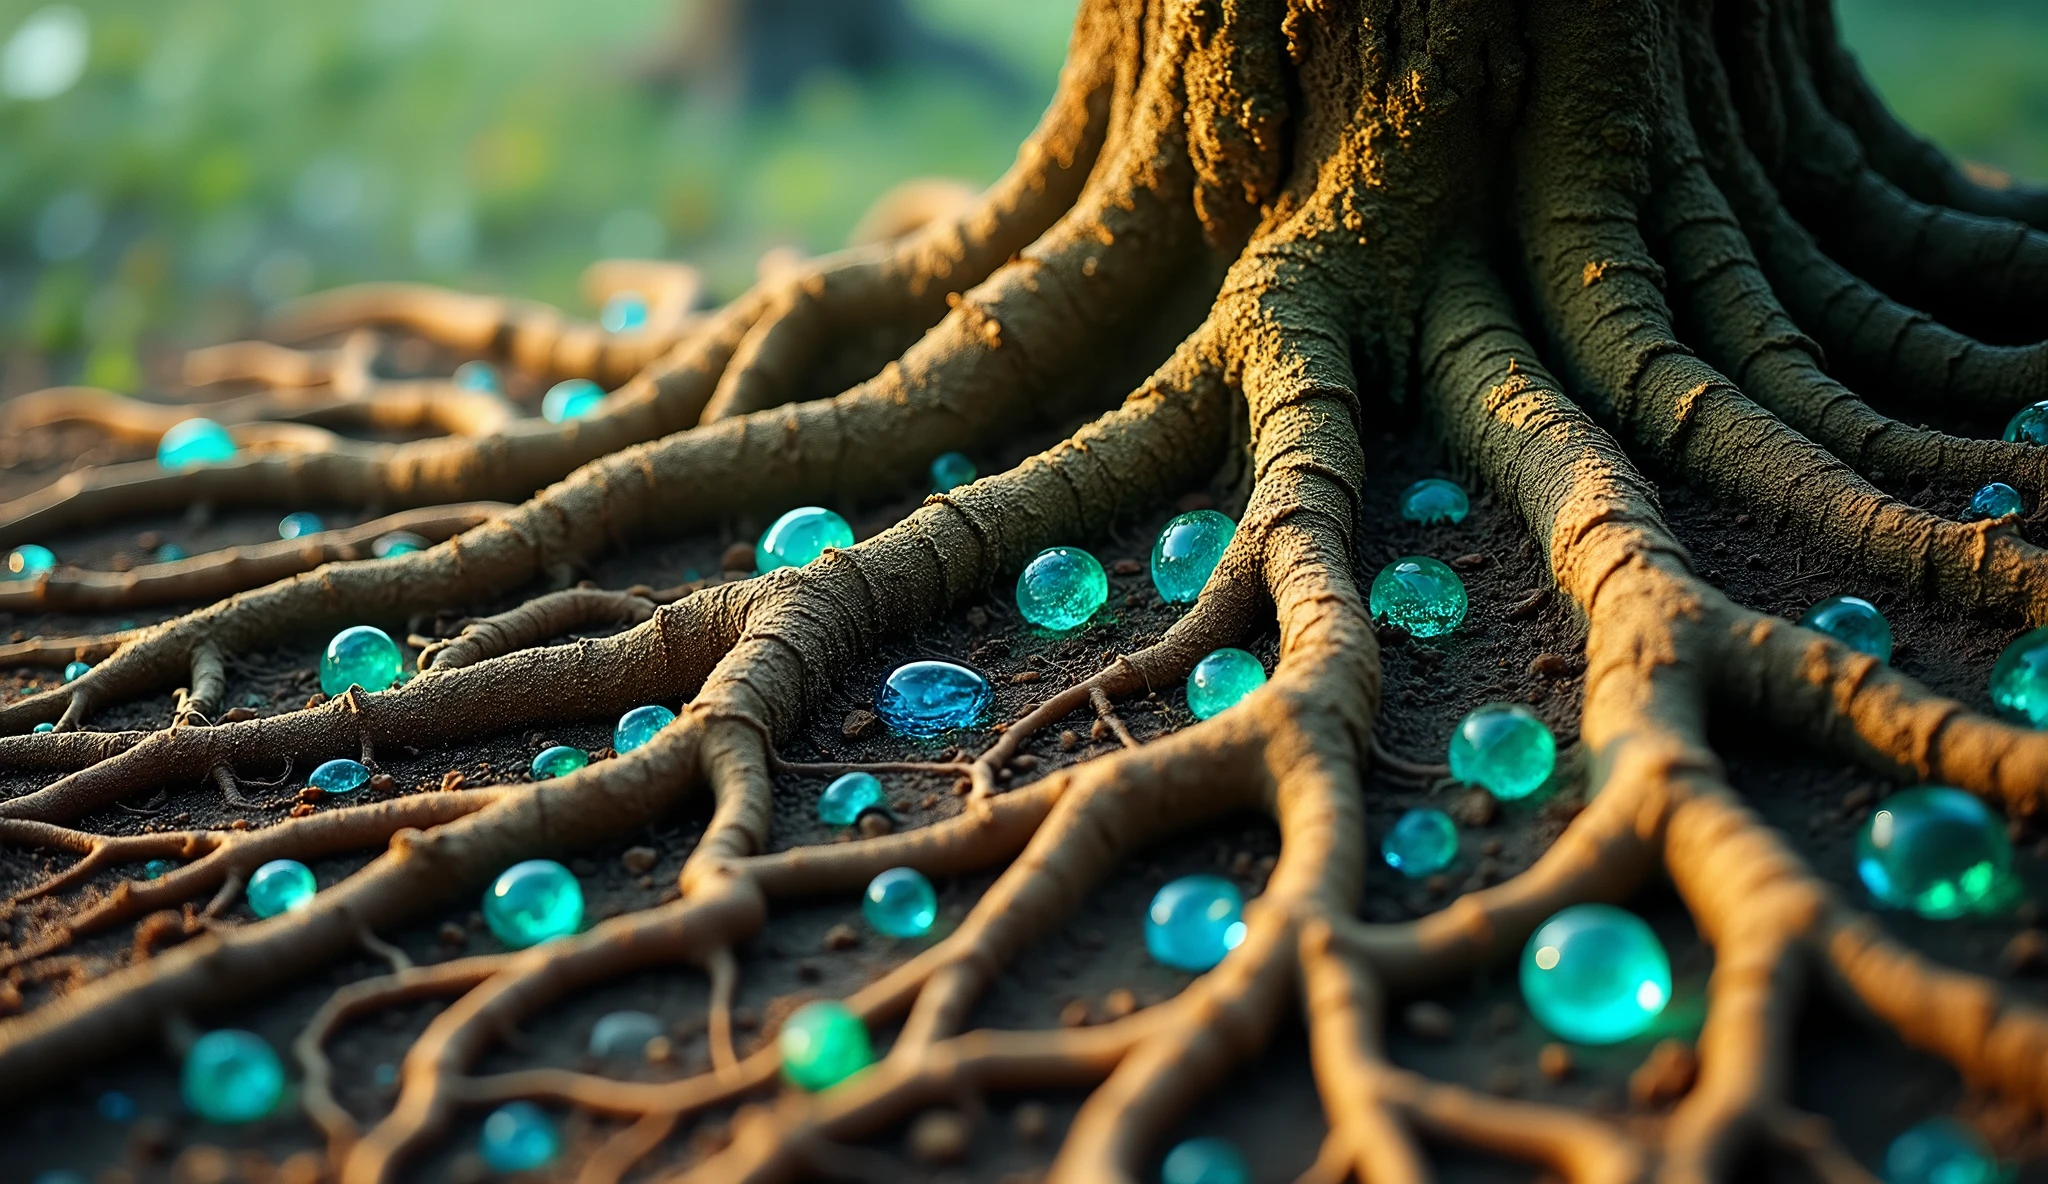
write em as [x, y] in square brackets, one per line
[299, 525]
[115, 1106]
[1505, 749]
[478, 376]
[577, 398]
[800, 536]
[559, 761]
[638, 726]
[194, 442]
[624, 312]
[171, 553]
[900, 903]
[45, 727]
[1419, 594]
[1595, 974]
[1187, 551]
[1940, 1151]
[360, 656]
[1220, 680]
[1996, 500]
[398, 542]
[73, 671]
[1934, 850]
[157, 869]
[926, 699]
[950, 471]
[340, 776]
[623, 1035]
[281, 886]
[1422, 843]
[848, 797]
[519, 1137]
[1194, 921]
[28, 561]
[1207, 1160]
[1434, 499]
[532, 902]
[1853, 621]
[822, 1044]
[1061, 588]
[2019, 679]
[2030, 425]
[231, 1076]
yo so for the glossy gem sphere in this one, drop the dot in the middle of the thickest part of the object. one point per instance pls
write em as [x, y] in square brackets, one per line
[900, 903]
[532, 902]
[950, 471]
[299, 525]
[623, 1035]
[360, 656]
[1419, 594]
[559, 761]
[231, 1076]
[281, 886]
[1061, 588]
[398, 542]
[518, 1137]
[194, 442]
[1940, 1151]
[73, 671]
[478, 376]
[1421, 843]
[1504, 749]
[576, 398]
[156, 869]
[339, 776]
[1853, 621]
[638, 726]
[1595, 974]
[1221, 680]
[1207, 1160]
[929, 698]
[624, 312]
[822, 1044]
[28, 561]
[847, 797]
[1187, 551]
[1194, 921]
[800, 536]
[1996, 500]
[170, 553]
[2019, 679]
[1434, 499]
[1934, 850]
[2029, 425]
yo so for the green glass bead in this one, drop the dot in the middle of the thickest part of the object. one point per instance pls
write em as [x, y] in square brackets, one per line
[360, 656]
[1061, 588]
[1206, 1160]
[1193, 922]
[478, 376]
[171, 553]
[194, 442]
[45, 727]
[157, 869]
[1187, 551]
[638, 726]
[800, 536]
[900, 903]
[2019, 679]
[1853, 621]
[576, 398]
[2029, 425]
[623, 1035]
[1941, 1151]
[624, 312]
[1934, 850]
[1419, 594]
[1595, 974]
[73, 671]
[519, 1137]
[1422, 843]
[1505, 749]
[950, 471]
[1996, 500]
[848, 797]
[533, 901]
[398, 542]
[28, 561]
[1434, 499]
[559, 761]
[231, 1076]
[339, 776]
[822, 1044]
[281, 886]
[299, 525]
[1218, 682]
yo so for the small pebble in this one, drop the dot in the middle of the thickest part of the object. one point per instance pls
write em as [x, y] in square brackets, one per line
[1554, 1062]
[1549, 665]
[1119, 1003]
[1665, 1076]
[453, 934]
[1069, 741]
[1075, 1014]
[939, 1136]
[738, 557]
[1476, 808]
[1504, 1080]
[2026, 953]
[842, 937]
[1032, 1120]
[859, 724]
[638, 861]
[1429, 1020]
[875, 824]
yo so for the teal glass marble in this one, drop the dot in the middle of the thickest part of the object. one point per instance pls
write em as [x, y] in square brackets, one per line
[45, 727]
[900, 903]
[1996, 500]
[1187, 551]
[822, 1044]
[930, 698]
[171, 553]
[1207, 1160]
[1421, 843]
[638, 726]
[398, 542]
[194, 442]
[800, 536]
[624, 312]
[950, 471]
[28, 561]
[1220, 680]
[157, 869]
[533, 901]
[2019, 679]
[360, 656]
[1434, 499]
[1061, 588]
[115, 1106]
[1194, 921]
[231, 1076]
[848, 797]
[73, 671]
[623, 1035]
[479, 376]
[559, 761]
[339, 776]
[1940, 1151]
[1853, 621]
[1504, 749]
[299, 525]
[1419, 594]
[575, 398]
[519, 1137]
[2029, 425]
[1595, 974]
[1936, 851]
[281, 886]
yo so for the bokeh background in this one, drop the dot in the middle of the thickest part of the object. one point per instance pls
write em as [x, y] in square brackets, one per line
[170, 168]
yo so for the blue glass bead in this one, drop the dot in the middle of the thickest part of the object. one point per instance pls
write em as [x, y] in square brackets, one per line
[900, 903]
[73, 671]
[2019, 679]
[1503, 748]
[28, 561]
[115, 1106]
[1219, 681]
[623, 1035]
[532, 902]
[1434, 499]
[800, 536]
[194, 442]
[339, 776]
[1419, 594]
[478, 376]
[1996, 500]
[1207, 1160]
[576, 398]
[1940, 1151]
[638, 726]
[299, 525]
[848, 797]
[360, 656]
[950, 471]
[1187, 551]
[1595, 974]
[1934, 850]
[157, 869]
[822, 1044]
[45, 727]
[398, 542]
[171, 553]
[1061, 588]
[2029, 425]
[1422, 843]
[926, 699]
[559, 761]
[1194, 921]
[519, 1137]
[231, 1076]
[1853, 621]
[281, 886]
[624, 312]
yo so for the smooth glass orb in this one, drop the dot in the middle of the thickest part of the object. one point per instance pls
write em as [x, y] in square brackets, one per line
[28, 561]
[950, 471]
[478, 376]
[1420, 594]
[299, 525]
[638, 726]
[45, 727]
[339, 776]
[519, 1137]
[575, 398]
[157, 869]
[1595, 974]
[822, 1044]
[1422, 843]
[1061, 588]
[2019, 679]
[848, 797]
[398, 542]
[800, 536]
[1207, 1160]
[1940, 1151]
[1434, 499]
[1220, 680]
[559, 761]
[1187, 551]
[928, 698]
[171, 553]
[194, 442]
[623, 1034]
[1853, 621]
[2029, 425]
[1996, 500]
[231, 1076]
[115, 1106]
[1934, 850]
[900, 903]
[281, 886]
[360, 656]
[624, 312]
[73, 671]
[1504, 749]
[532, 902]
[1194, 921]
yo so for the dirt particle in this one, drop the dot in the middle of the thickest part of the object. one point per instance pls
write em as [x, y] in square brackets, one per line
[1528, 605]
[1069, 741]
[875, 823]
[1024, 761]
[1506, 1019]
[977, 618]
[1503, 1080]
[236, 715]
[638, 861]
[2026, 953]
[1471, 562]
[451, 780]
[1476, 808]
[1099, 730]
[149, 1140]
[1492, 847]
[1119, 1003]
[1127, 567]
[745, 1019]
[1032, 1121]
[939, 1136]
[302, 810]
[739, 557]
[809, 971]
[1549, 665]
[841, 937]
[1665, 1076]
[203, 1163]
[1025, 676]
[1430, 1020]
[383, 783]
[1197, 500]
[859, 724]
[453, 934]
[1554, 1062]
[315, 699]
[1074, 1014]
